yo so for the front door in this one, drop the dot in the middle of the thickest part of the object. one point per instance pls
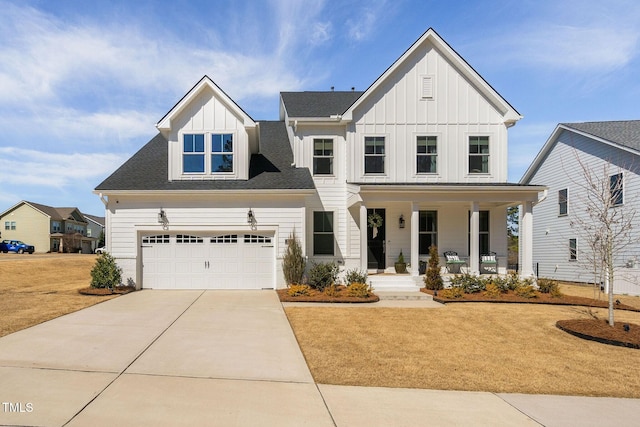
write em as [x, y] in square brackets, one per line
[376, 239]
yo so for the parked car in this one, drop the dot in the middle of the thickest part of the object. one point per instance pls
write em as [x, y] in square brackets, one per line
[101, 249]
[16, 246]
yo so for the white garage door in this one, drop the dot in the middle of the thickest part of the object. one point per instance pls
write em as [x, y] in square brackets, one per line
[224, 261]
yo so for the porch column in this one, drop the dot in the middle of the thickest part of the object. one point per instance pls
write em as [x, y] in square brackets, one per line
[526, 240]
[474, 239]
[363, 238]
[415, 230]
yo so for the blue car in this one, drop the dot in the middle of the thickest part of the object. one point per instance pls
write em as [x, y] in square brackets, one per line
[16, 246]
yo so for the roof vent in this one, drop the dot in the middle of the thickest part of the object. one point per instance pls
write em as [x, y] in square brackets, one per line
[332, 88]
[353, 88]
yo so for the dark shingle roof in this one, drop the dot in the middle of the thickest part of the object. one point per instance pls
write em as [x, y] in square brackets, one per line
[625, 133]
[318, 104]
[269, 170]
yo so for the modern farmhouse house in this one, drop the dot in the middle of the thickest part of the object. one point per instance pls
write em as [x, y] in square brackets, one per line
[584, 165]
[418, 158]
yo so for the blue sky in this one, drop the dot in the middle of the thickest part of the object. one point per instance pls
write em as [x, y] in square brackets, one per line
[82, 84]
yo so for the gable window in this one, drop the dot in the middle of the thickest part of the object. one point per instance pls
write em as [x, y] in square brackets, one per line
[428, 231]
[374, 154]
[563, 200]
[573, 250]
[9, 225]
[615, 189]
[221, 152]
[427, 154]
[478, 154]
[323, 157]
[193, 155]
[323, 233]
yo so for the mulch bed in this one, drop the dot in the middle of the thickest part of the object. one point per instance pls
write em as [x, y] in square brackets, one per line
[119, 290]
[316, 296]
[621, 334]
[511, 297]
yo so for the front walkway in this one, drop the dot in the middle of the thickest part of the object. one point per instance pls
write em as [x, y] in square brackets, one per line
[226, 358]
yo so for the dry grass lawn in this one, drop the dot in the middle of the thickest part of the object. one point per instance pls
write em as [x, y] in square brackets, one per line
[513, 348]
[36, 288]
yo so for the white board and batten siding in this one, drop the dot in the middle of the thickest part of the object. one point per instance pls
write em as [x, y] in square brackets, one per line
[561, 170]
[276, 219]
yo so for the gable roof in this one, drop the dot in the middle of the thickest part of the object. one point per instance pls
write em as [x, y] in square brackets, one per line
[56, 214]
[430, 36]
[624, 134]
[164, 124]
[96, 219]
[318, 104]
[271, 169]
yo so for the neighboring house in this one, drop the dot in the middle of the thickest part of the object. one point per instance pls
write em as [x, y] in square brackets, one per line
[49, 229]
[95, 228]
[421, 154]
[610, 153]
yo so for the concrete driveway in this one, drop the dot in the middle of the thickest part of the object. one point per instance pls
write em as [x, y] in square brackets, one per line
[224, 358]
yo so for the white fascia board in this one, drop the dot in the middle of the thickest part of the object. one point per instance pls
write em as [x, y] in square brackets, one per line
[190, 193]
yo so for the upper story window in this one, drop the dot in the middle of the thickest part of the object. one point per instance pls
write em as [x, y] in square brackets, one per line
[219, 151]
[615, 189]
[323, 157]
[427, 154]
[55, 226]
[563, 202]
[374, 154]
[478, 154]
[9, 225]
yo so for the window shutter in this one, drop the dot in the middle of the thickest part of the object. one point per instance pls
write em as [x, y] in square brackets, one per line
[427, 87]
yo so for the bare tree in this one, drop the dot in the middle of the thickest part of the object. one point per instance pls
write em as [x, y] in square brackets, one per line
[605, 222]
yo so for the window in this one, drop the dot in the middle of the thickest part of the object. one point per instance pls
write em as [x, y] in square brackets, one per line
[478, 154]
[228, 238]
[483, 233]
[428, 231]
[193, 157]
[563, 200]
[323, 233]
[162, 238]
[374, 154]
[427, 154]
[573, 249]
[184, 238]
[323, 157]
[222, 153]
[9, 225]
[252, 238]
[615, 189]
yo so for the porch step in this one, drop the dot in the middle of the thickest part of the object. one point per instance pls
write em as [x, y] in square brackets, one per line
[395, 283]
[404, 296]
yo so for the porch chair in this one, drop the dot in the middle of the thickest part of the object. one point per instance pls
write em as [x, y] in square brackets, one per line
[453, 263]
[489, 262]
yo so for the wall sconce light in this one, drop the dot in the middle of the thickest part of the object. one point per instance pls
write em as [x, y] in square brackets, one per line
[401, 221]
[162, 219]
[251, 219]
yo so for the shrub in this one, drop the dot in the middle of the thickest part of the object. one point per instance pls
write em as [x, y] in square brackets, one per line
[359, 290]
[105, 273]
[322, 275]
[331, 290]
[452, 293]
[298, 290]
[492, 290]
[470, 284]
[293, 263]
[432, 278]
[548, 286]
[355, 276]
[526, 291]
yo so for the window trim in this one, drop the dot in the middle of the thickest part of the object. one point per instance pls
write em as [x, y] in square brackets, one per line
[418, 155]
[324, 156]
[564, 202]
[365, 155]
[470, 155]
[209, 153]
[324, 233]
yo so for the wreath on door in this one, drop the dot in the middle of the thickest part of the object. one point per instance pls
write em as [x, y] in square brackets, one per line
[375, 221]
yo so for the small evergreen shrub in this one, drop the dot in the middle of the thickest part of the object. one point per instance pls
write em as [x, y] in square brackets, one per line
[433, 278]
[298, 290]
[359, 290]
[105, 273]
[526, 291]
[492, 290]
[355, 276]
[452, 293]
[293, 262]
[322, 275]
[548, 286]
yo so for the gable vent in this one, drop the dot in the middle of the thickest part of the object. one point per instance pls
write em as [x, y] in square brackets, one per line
[427, 87]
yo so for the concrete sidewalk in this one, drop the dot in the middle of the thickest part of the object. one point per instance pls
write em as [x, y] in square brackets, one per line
[227, 358]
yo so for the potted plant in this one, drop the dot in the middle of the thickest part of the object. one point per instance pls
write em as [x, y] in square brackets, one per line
[401, 266]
